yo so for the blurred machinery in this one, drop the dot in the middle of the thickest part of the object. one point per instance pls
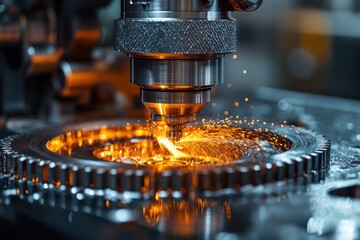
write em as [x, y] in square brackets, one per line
[309, 46]
[317, 36]
[58, 62]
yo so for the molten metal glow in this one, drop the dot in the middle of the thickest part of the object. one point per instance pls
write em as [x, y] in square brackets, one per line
[146, 145]
[171, 147]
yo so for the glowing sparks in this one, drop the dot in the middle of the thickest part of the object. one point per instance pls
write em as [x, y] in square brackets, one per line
[171, 147]
[246, 99]
[236, 104]
[212, 142]
[245, 72]
[235, 56]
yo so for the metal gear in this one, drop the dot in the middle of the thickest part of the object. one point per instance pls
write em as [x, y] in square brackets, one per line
[27, 164]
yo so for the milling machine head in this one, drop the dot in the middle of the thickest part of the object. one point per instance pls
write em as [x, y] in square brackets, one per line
[176, 49]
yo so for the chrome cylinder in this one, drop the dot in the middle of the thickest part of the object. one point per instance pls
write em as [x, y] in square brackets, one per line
[177, 73]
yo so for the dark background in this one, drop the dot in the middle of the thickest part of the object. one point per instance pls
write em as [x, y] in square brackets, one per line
[309, 46]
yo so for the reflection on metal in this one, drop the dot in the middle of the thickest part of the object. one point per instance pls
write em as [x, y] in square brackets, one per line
[162, 215]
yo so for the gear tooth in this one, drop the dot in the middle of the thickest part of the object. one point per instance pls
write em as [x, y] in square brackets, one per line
[141, 182]
[307, 163]
[322, 174]
[10, 163]
[65, 175]
[315, 161]
[316, 177]
[215, 183]
[21, 186]
[100, 186]
[268, 173]
[151, 178]
[31, 170]
[4, 153]
[54, 174]
[279, 171]
[76, 175]
[31, 176]
[230, 179]
[205, 181]
[87, 178]
[220, 179]
[120, 180]
[113, 179]
[322, 158]
[163, 182]
[21, 166]
[2, 160]
[299, 168]
[180, 182]
[256, 175]
[243, 176]
[42, 171]
[137, 180]
[176, 179]
[190, 183]
[100, 178]
[127, 180]
[289, 170]
[327, 147]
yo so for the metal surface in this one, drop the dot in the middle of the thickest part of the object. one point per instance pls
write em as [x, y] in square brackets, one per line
[28, 157]
[177, 74]
[326, 210]
[182, 36]
[175, 109]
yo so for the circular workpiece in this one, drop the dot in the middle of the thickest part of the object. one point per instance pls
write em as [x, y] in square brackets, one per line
[128, 161]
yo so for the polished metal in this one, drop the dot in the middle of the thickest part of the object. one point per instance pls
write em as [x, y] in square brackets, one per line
[176, 50]
[176, 9]
[174, 108]
[177, 73]
[175, 97]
